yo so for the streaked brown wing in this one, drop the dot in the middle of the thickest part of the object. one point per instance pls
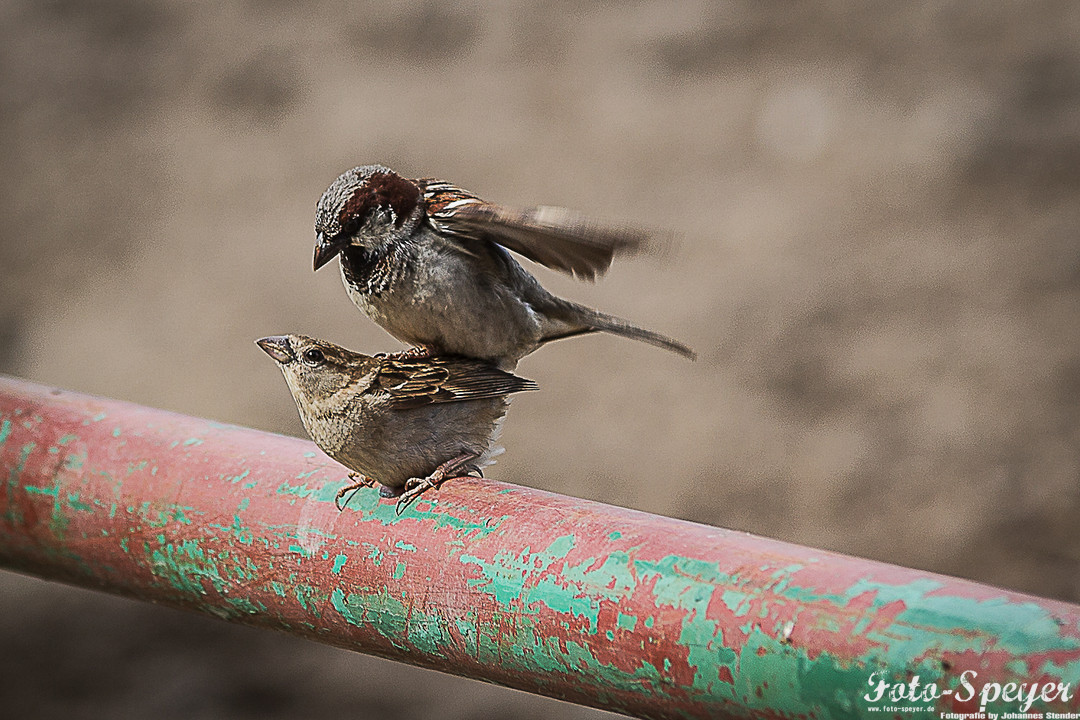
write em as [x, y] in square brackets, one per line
[555, 237]
[415, 383]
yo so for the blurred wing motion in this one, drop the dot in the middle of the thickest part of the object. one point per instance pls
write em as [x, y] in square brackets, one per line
[555, 237]
[415, 383]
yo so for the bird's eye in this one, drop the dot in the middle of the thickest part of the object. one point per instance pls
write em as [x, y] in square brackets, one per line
[314, 356]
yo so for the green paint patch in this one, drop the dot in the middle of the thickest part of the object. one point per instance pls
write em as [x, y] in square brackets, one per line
[5, 431]
[560, 547]
[612, 579]
[737, 602]
[243, 535]
[565, 598]
[339, 563]
[374, 554]
[402, 545]
[76, 504]
[578, 590]
[614, 535]
[159, 516]
[186, 566]
[239, 478]
[13, 514]
[504, 577]
[67, 439]
[53, 491]
[133, 468]
[687, 584]
[193, 441]
[310, 598]
[326, 493]
[399, 571]
[402, 625]
[466, 627]
[470, 525]
[582, 588]
[116, 431]
[824, 687]
[193, 568]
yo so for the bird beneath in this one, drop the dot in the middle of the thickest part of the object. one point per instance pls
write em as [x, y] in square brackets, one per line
[430, 263]
[407, 424]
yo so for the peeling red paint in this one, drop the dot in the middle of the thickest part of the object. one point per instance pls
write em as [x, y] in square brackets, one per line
[569, 598]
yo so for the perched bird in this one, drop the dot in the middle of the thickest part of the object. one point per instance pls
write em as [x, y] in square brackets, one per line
[407, 424]
[429, 263]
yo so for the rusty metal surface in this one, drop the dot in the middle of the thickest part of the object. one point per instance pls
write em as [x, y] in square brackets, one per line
[577, 600]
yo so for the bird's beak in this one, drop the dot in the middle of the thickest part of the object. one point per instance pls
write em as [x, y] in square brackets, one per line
[277, 347]
[326, 249]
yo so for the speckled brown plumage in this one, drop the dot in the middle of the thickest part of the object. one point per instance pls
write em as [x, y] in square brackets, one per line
[395, 421]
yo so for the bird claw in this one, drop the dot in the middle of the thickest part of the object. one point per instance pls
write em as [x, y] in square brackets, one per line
[415, 487]
[359, 481]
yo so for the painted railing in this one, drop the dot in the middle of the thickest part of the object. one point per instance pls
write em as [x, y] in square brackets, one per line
[572, 599]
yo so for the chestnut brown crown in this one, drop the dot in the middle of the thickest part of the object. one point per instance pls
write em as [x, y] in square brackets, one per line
[369, 206]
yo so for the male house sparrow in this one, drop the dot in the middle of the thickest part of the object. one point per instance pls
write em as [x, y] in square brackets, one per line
[408, 424]
[429, 263]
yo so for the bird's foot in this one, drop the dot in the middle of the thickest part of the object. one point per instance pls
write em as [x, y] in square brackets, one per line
[415, 487]
[358, 481]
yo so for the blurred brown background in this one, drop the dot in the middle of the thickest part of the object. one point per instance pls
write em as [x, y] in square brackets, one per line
[878, 261]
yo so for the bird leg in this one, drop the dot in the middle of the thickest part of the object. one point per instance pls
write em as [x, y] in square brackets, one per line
[359, 481]
[415, 487]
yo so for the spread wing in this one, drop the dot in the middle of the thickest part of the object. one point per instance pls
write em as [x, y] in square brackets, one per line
[555, 237]
[415, 383]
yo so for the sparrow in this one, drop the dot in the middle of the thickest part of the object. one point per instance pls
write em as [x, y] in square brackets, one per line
[429, 262]
[407, 424]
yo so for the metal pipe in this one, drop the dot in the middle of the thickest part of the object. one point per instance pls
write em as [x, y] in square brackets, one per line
[573, 599]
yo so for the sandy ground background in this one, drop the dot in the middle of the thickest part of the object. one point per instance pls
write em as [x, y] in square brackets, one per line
[878, 261]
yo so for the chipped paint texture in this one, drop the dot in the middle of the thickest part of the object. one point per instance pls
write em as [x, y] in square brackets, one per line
[577, 600]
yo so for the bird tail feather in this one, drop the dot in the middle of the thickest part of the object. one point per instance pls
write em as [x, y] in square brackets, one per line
[586, 320]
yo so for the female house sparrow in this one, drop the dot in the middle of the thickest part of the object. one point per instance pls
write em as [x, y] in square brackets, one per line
[408, 424]
[429, 263]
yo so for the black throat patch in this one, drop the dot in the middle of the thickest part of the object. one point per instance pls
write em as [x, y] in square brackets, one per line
[367, 272]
